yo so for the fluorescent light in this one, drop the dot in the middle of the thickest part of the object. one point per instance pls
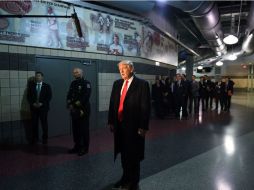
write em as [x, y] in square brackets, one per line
[232, 57]
[200, 67]
[157, 63]
[183, 68]
[219, 63]
[230, 39]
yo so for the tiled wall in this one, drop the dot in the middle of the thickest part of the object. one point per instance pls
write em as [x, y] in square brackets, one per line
[18, 66]
[13, 94]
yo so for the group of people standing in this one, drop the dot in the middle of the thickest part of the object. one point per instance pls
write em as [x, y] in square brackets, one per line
[129, 110]
[173, 96]
[128, 117]
[39, 95]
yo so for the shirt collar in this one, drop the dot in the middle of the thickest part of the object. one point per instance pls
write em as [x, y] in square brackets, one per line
[130, 80]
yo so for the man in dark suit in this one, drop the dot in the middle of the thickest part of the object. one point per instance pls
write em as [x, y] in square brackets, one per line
[229, 92]
[39, 95]
[128, 118]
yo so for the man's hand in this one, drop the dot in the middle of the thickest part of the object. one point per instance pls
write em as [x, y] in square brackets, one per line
[36, 105]
[142, 132]
[111, 127]
[77, 103]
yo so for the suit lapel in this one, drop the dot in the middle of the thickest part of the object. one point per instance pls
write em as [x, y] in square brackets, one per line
[119, 91]
[132, 87]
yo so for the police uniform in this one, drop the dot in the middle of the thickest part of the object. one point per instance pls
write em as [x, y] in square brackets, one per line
[79, 105]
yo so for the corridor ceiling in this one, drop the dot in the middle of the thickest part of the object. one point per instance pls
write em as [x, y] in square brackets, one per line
[232, 15]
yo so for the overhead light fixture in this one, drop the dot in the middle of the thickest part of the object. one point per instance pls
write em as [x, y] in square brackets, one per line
[230, 39]
[232, 57]
[200, 67]
[183, 68]
[157, 63]
[219, 63]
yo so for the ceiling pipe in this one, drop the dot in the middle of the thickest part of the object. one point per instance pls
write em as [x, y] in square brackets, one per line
[206, 16]
[248, 42]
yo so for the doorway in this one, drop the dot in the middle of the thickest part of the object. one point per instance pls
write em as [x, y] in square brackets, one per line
[58, 73]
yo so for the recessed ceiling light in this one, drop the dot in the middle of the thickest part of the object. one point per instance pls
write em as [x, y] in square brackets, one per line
[232, 57]
[219, 63]
[230, 39]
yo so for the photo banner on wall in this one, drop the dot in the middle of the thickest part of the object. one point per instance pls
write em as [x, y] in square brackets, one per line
[102, 32]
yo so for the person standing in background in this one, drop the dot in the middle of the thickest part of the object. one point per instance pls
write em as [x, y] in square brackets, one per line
[128, 119]
[194, 95]
[229, 92]
[39, 95]
[78, 103]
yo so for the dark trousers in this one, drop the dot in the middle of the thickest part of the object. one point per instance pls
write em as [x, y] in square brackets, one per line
[130, 165]
[80, 130]
[42, 115]
[194, 100]
[228, 102]
[131, 170]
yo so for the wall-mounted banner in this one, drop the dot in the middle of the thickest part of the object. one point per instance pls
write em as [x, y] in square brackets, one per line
[102, 32]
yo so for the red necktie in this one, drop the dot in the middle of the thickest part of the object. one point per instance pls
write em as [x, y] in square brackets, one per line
[120, 108]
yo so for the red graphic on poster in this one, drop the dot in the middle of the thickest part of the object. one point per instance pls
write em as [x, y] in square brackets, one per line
[3, 23]
[16, 7]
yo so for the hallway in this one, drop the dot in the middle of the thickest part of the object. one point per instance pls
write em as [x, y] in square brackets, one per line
[210, 151]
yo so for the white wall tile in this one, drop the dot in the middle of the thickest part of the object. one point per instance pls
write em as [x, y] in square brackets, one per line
[4, 48]
[5, 100]
[30, 50]
[22, 83]
[14, 74]
[46, 51]
[6, 109]
[22, 49]
[5, 83]
[15, 108]
[5, 92]
[67, 53]
[14, 99]
[39, 51]
[6, 117]
[54, 52]
[14, 82]
[15, 116]
[4, 74]
[23, 74]
[30, 74]
[15, 91]
[13, 49]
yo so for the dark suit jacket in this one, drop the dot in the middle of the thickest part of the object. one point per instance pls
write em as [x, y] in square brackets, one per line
[136, 113]
[45, 95]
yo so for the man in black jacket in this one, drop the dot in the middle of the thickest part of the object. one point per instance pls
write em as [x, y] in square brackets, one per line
[79, 106]
[39, 95]
[128, 118]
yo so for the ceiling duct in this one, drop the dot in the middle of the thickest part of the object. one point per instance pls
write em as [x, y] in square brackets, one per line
[248, 43]
[206, 16]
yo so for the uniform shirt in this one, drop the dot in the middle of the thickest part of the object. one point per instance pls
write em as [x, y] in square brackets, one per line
[80, 90]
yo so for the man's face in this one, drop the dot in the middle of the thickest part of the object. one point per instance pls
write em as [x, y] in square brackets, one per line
[193, 78]
[178, 77]
[125, 71]
[38, 77]
[76, 73]
[116, 40]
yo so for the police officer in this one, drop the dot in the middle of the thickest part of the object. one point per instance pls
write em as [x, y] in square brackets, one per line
[79, 106]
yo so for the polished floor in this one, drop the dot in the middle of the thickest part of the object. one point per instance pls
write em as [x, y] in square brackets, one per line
[211, 151]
